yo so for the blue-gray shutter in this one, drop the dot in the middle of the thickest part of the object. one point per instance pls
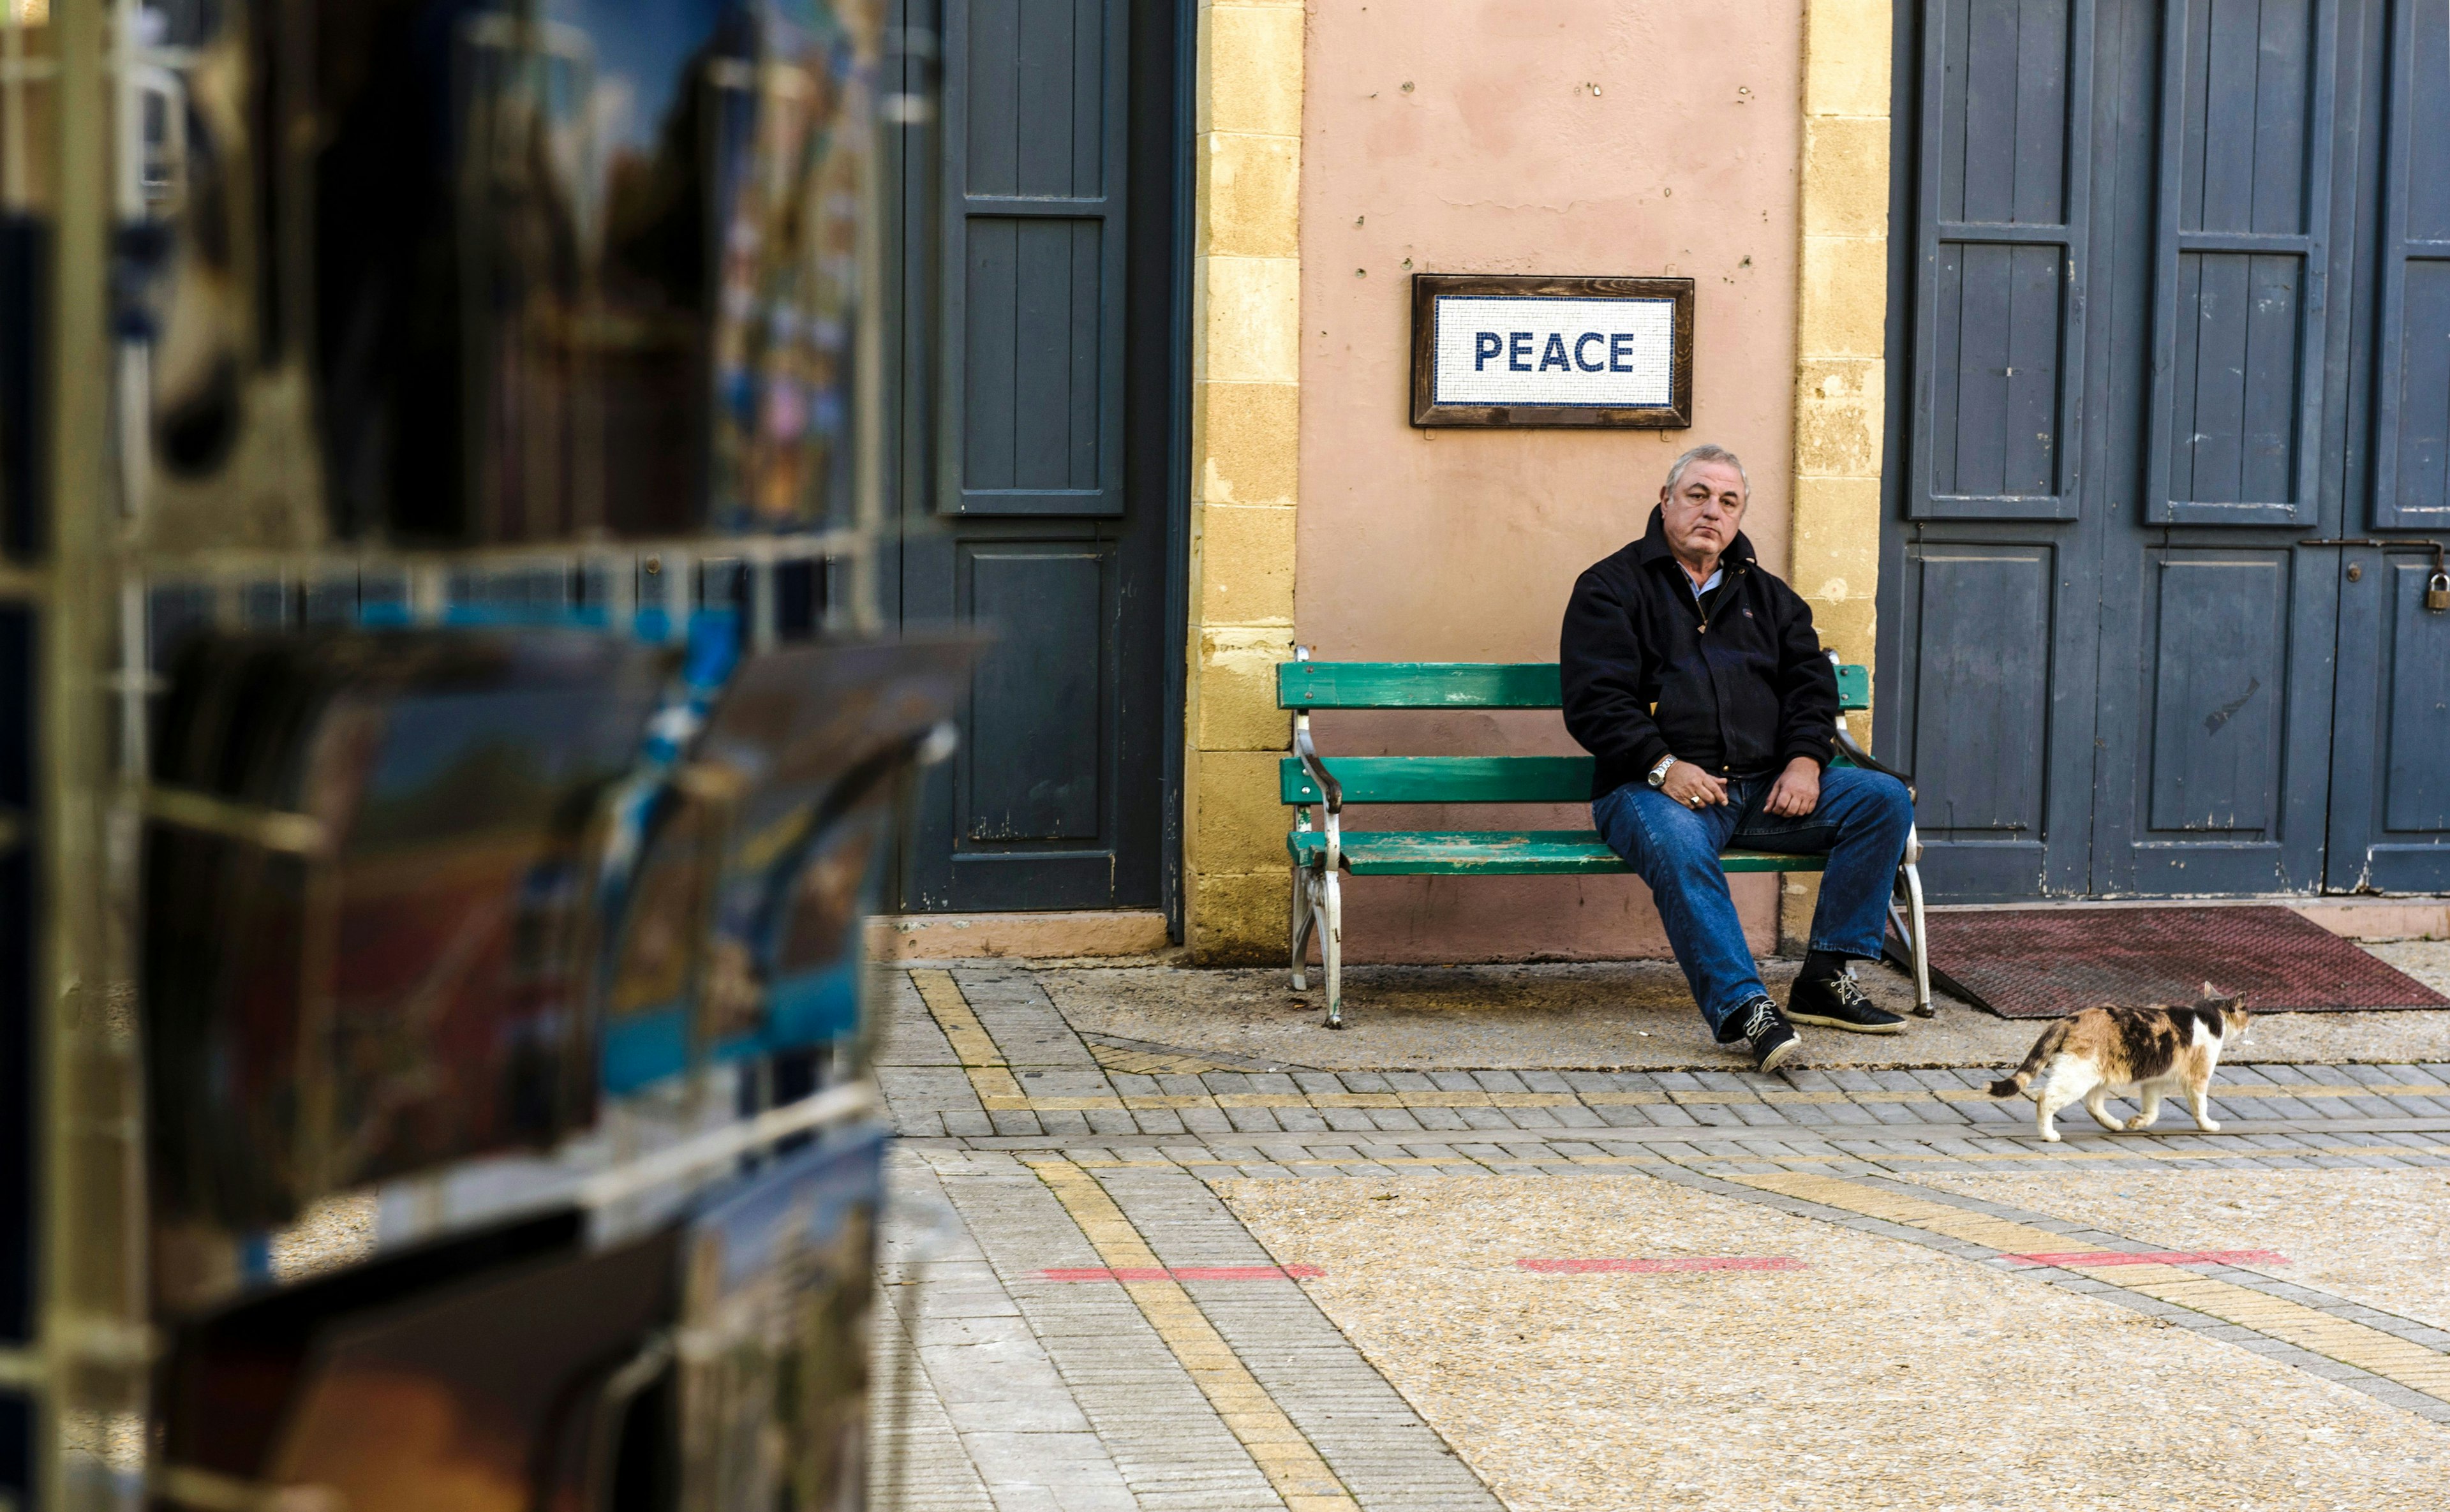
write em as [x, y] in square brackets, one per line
[2002, 253]
[2240, 274]
[2412, 398]
[1032, 401]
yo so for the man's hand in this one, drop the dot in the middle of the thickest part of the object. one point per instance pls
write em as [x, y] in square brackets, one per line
[1692, 787]
[1797, 792]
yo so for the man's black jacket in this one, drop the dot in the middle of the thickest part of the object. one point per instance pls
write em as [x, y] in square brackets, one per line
[1645, 677]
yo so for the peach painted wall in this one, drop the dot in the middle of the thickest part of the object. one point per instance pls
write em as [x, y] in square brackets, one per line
[1624, 136]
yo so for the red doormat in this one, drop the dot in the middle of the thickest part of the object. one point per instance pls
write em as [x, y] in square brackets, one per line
[2045, 962]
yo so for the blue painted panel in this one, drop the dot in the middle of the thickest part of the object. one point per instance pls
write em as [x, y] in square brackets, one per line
[2238, 376]
[1034, 234]
[1995, 380]
[1981, 694]
[1031, 768]
[2247, 115]
[2003, 110]
[1036, 121]
[2416, 756]
[2420, 447]
[2000, 271]
[2219, 672]
[2412, 470]
[2241, 269]
[1035, 326]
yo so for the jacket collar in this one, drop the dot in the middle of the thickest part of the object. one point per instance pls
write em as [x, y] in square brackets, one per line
[1653, 546]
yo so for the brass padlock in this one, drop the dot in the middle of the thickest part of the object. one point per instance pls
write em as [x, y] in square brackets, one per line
[2437, 592]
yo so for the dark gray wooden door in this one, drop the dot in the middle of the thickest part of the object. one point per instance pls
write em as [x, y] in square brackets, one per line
[2390, 753]
[1044, 521]
[1986, 681]
[2161, 250]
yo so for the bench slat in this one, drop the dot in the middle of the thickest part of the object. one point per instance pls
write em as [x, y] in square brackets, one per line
[1417, 684]
[1460, 685]
[1526, 852]
[1449, 779]
[1446, 780]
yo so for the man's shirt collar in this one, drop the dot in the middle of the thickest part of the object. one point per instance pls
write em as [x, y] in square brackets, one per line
[1653, 546]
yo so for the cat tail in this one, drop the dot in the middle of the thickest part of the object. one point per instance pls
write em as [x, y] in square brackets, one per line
[2010, 1086]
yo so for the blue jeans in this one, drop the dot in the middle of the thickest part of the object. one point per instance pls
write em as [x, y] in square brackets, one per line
[1859, 824]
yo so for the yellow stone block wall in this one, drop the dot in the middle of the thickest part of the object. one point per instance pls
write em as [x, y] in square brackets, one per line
[1245, 472]
[1841, 323]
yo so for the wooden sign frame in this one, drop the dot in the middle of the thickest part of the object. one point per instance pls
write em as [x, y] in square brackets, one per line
[1428, 288]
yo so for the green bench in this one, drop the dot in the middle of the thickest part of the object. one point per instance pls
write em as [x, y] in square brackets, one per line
[1319, 855]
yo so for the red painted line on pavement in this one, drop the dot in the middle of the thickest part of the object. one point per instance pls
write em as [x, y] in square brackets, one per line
[2154, 1257]
[1181, 1273]
[1712, 1262]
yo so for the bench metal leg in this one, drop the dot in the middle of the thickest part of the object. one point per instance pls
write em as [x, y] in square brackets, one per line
[1330, 944]
[1905, 917]
[1303, 921]
[1921, 941]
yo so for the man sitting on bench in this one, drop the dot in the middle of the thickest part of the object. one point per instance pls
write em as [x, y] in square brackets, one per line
[1695, 679]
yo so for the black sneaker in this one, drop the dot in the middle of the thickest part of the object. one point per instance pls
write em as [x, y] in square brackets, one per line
[1834, 1001]
[1763, 1028]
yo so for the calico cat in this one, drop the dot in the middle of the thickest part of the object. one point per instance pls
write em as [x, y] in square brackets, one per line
[2115, 1052]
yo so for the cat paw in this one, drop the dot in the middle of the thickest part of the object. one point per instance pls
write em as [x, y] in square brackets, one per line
[2208, 1126]
[2134, 1124]
[2050, 1136]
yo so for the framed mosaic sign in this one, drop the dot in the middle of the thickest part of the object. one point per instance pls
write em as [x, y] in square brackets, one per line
[1527, 350]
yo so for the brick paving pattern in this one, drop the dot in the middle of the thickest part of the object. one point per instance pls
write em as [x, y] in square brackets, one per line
[1030, 1149]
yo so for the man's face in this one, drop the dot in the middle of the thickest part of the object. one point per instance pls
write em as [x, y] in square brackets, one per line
[1705, 509]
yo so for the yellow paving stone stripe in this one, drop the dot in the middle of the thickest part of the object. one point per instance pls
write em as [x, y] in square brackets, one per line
[1287, 1458]
[953, 1014]
[2351, 1343]
[980, 1060]
[1300, 1163]
[1154, 1101]
[1919, 1213]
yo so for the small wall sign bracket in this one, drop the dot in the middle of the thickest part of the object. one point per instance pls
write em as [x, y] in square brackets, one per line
[1529, 350]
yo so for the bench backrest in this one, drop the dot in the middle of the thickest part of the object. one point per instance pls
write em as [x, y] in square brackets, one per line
[1452, 685]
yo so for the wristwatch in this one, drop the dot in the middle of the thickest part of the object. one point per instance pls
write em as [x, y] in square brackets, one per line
[1658, 773]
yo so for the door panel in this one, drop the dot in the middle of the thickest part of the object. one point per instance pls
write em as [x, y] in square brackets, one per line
[2242, 238]
[1037, 712]
[1034, 243]
[1995, 428]
[1033, 433]
[2412, 426]
[2416, 781]
[2237, 387]
[2390, 803]
[1980, 716]
[2001, 265]
[2220, 663]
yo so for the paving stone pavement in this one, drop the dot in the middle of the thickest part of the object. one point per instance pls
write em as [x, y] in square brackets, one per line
[1073, 1318]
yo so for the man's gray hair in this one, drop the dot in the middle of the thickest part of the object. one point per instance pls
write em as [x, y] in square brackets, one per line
[1707, 452]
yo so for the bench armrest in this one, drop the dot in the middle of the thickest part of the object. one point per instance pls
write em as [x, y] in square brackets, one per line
[1328, 788]
[1867, 761]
